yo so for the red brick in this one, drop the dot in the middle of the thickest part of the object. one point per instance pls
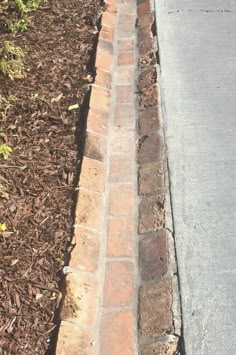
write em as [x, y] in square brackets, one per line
[104, 61]
[151, 178]
[126, 45]
[92, 176]
[124, 94]
[107, 33]
[153, 256]
[145, 46]
[73, 340]
[127, 19]
[122, 169]
[144, 8]
[120, 238]
[105, 46]
[144, 33]
[166, 348]
[149, 121]
[108, 19]
[155, 317]
[151, 214]
[148, 98]
[121, 200]
[150, 148]
[100, 99]
[103, 79]
[116, 333]
[119, 284]
[90, 210]
[97, 121]
[125, 75]
[95, 146]
[126, 31]
[125, 116]
[85, 254]
[125, 58]
[144, 20]
[146, 78]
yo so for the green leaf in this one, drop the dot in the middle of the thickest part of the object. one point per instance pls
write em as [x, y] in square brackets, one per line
[73, 107]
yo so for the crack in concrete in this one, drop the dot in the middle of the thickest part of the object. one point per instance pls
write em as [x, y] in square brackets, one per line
[201, 10]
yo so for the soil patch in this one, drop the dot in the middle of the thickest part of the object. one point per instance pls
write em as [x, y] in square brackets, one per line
[37, 180]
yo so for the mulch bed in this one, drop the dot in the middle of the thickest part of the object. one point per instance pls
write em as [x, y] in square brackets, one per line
[37, 181]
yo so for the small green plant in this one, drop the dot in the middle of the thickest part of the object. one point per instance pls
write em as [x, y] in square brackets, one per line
[18, 26]
[29, 6]
[11, 61]
[59, 260]
[3, 228]
[5, 151]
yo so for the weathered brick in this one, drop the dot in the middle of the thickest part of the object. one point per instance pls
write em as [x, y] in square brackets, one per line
[155, 317]
[90, 210]
[125, 115]
[148, 97]
[126, 31]
[85, 254]
[122, 169]
[103, 79]
[119, 284]
[125, 58]
[147, 59]
[120, 238]
[127, 19]
[105, 46]
[153, 256]
[108, 19]
[107, 33]
[144, 8]
[144, 20]
[151, 214]
[150, 148]
[92, 176]
[81, 299]
[95, 146]
[146, 78]
[100, 99]
[125, 45]
[144, 33]
[121, 200]
[125, 75]
[145, 46]
[104, 61]
[149, 121]
[161, 348]
[151, 178]
[97, 121]
[124, 94]
[73, 340]
[116, 333]
[122, 141]
[127, 9]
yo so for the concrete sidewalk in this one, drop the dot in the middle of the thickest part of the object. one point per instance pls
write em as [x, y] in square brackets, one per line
[197, 43]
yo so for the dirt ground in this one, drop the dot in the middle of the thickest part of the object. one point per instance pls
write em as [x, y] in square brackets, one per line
[37, 180]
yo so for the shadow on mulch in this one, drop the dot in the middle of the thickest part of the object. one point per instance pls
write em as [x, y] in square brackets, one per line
[37, 182]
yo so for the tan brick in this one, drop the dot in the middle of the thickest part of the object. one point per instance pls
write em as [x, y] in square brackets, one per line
[92, 176]
[103, 79]
[73, 340]
[161, 348]
[104, 61]
[124, 94]
[116, 333]
[125, 115]
[125, 58]
[95, 146]
[119, 284]
[90, 210]
[144, 8]
[81, 299]
[127, 9]
[151, 148]
[151, 214]
[107, 33]
[108, 19]
[125, 75]
[122, 200]
[127, 19]
[126, 45]
[97, 121]
[104, 46]
[100, 99]
[144, 20]
[122, 169]
[151, 178]
[120, 238]
[123, 141]
[149, 121]
[85, 254]
[155, 317]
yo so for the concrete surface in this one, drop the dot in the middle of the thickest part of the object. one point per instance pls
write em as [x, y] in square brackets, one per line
[197, 42]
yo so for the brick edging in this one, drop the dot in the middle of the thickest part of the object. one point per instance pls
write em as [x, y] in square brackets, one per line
[159, 308]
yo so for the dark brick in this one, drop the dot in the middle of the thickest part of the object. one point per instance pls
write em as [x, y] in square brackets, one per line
[105, 47]
[147, 59]
[147, 78]
[144, 8]
[95, 146]
[144, 33]
[145, 46]
[148, 98]
[149, 121]
[151, 178]
[150, 148]
[151, 214]
[161, 348]
[153, 256]
[145, 20]
[155, 317]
